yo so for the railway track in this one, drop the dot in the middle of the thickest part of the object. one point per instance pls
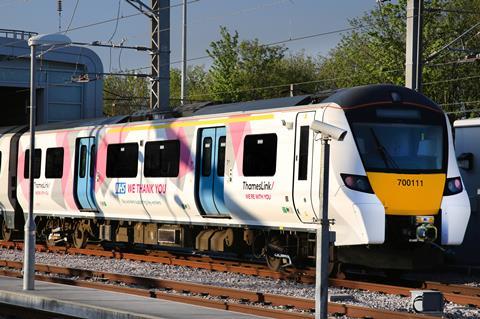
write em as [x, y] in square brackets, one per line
[256, 303]
[459, 294]
[306, 276]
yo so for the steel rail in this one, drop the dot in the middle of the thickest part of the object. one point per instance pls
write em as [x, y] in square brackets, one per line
[459, 294]
[243, 296]
[200, 262]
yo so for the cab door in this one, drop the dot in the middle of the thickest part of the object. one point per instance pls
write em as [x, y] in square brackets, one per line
[211, 171]
[303, 166]
[85, 153]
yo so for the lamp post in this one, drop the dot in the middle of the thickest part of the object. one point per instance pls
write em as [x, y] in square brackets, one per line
[29, 257]
[328, 132]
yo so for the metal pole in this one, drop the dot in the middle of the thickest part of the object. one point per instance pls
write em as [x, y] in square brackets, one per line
[413, 63]
[183, 87]
[29, 257]
[160, 91]
[323, 239]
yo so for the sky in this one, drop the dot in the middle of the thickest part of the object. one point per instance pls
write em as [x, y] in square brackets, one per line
[268, 20]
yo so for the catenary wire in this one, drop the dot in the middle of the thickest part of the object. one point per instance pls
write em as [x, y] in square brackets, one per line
[73, 15]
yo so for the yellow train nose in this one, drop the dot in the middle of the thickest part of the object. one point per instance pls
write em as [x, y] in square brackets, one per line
[408, 194]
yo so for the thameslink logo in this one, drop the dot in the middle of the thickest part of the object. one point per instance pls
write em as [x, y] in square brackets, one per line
[262, 186]
[120, 188]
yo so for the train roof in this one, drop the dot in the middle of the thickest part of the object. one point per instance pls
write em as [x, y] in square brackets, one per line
[81, 123]
[197, 109]
[345, 98]
[368, 94]
[255, 105]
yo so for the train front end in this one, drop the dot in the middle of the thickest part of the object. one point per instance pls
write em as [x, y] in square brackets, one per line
[405, 144]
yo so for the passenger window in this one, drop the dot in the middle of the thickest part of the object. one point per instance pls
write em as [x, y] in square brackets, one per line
[122, 160]
[54, 163]
[260, 155]
[92, 160]
[83, 160]
[36, 163]
[303, 153]
[221, 156]
[207, 156]
[162, 158]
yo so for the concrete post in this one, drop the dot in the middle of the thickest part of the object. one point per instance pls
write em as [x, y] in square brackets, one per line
[29, 257]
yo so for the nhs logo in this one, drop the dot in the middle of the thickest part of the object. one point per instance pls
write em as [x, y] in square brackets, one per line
[120, 188]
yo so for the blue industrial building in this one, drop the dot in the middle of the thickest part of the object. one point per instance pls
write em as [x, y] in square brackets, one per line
[70, 85]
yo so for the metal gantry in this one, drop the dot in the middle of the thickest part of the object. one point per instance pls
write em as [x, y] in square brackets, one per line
[413, 63]
[159, 13]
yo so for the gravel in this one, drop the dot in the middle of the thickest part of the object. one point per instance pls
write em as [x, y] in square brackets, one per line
[230, 280]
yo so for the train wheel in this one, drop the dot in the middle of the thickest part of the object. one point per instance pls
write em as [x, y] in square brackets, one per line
[50, 239]
[6, 232]
[274, 245]
[274, 263]
[80, 235]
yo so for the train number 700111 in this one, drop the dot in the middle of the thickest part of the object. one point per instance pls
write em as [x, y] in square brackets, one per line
[410, 182]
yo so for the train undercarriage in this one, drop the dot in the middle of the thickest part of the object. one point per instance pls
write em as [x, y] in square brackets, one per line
[279, 249]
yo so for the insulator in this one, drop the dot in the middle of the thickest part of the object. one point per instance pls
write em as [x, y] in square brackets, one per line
[59, 6]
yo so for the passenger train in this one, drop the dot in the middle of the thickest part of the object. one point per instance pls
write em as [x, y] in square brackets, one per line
[248, 180]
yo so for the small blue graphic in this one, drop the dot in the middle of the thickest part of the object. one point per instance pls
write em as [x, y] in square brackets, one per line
[120, 188]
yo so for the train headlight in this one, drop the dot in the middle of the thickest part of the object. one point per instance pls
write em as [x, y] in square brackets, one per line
[357, 183]
[453, 186]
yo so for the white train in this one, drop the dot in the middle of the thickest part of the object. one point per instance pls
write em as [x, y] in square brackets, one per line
[248, 180]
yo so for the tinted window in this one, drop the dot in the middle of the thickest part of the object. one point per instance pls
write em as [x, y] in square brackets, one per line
[303, 153]
[400, 138]
[54, 163]
[83, 160]
[260, 155]
[400, 147]
[221, 156]
[207, 156]
[122, 160]
[92, 160]
[36, 163]
[162, 159]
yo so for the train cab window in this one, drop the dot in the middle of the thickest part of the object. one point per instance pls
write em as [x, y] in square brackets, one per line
[221, 156]
[260, 155]
[54, 163]
[303, 153]
[36, 163]
[162, 158]
[207, 156]
[122, 160]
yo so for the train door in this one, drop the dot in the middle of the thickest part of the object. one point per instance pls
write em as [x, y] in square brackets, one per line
[302, 183]
[211, 170]
[85, 172]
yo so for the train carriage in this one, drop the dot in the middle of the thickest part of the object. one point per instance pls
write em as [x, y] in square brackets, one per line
[249, 180]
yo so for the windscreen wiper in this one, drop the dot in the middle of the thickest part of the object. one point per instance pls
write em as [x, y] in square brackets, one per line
[387, 158]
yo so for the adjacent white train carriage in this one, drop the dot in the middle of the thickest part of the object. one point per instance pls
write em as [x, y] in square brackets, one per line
[249, 180]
